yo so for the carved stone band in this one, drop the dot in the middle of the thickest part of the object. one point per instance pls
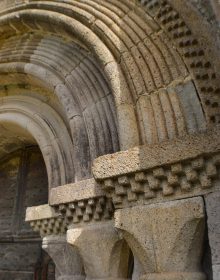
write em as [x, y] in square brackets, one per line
[45, 220]
[145, 175]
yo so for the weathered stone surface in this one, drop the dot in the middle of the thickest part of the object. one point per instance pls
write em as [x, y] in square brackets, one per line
[75, 192]
[8, 178]
[213, 218]
[23, 182]
[166, 238]
[210, 9]
[66, 258]
[147, 157]
[216, 271]
[18, 255]
[45, 220]
[82, 202]
[174, 276]
[105, 255]
[83, 79]
[16, 275]
[94, 209]
[40, 212]
[172, 170]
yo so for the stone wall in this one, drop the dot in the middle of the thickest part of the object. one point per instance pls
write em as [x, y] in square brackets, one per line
[23, 182]
[8, 181]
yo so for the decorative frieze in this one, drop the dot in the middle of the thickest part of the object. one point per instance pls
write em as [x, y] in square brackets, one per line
[93, 209]
[53, 226]
[82, 202]
[45, 220]
[178, 179]
[161, 173]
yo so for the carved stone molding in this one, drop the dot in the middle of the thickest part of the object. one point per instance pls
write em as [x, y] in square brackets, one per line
[71, 204]
[82, 202]
[176, 169]
[45, 220]
[84, 211]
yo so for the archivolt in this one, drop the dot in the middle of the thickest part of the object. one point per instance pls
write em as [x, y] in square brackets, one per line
[72, 74]
[49, 131]
[157, 83]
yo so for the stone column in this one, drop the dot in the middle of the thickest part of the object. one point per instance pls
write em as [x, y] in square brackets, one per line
[104, 253]
[89, 214]
[150, 187]
[213, 214]
[66, 258]
[167, 238]
[52, 229]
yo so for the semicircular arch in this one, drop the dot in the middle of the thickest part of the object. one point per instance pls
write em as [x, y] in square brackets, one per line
[49, 131]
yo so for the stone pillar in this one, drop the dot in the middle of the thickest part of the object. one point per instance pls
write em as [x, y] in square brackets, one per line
[105, 255]
[66, 258]
[213, 214]
[167, 238]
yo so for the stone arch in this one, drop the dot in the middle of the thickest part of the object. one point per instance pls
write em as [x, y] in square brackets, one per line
[112, 70]
[193, 37]
[84, 97]
[44, 125]
[142, 66]
[142, 69]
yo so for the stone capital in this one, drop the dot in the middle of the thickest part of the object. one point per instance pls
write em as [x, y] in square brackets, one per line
[104, 253]
[167, 238]
[66, 258]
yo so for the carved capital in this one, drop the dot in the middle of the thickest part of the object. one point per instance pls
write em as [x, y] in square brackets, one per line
[104, 253]
[66, 258]
[166, 238]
